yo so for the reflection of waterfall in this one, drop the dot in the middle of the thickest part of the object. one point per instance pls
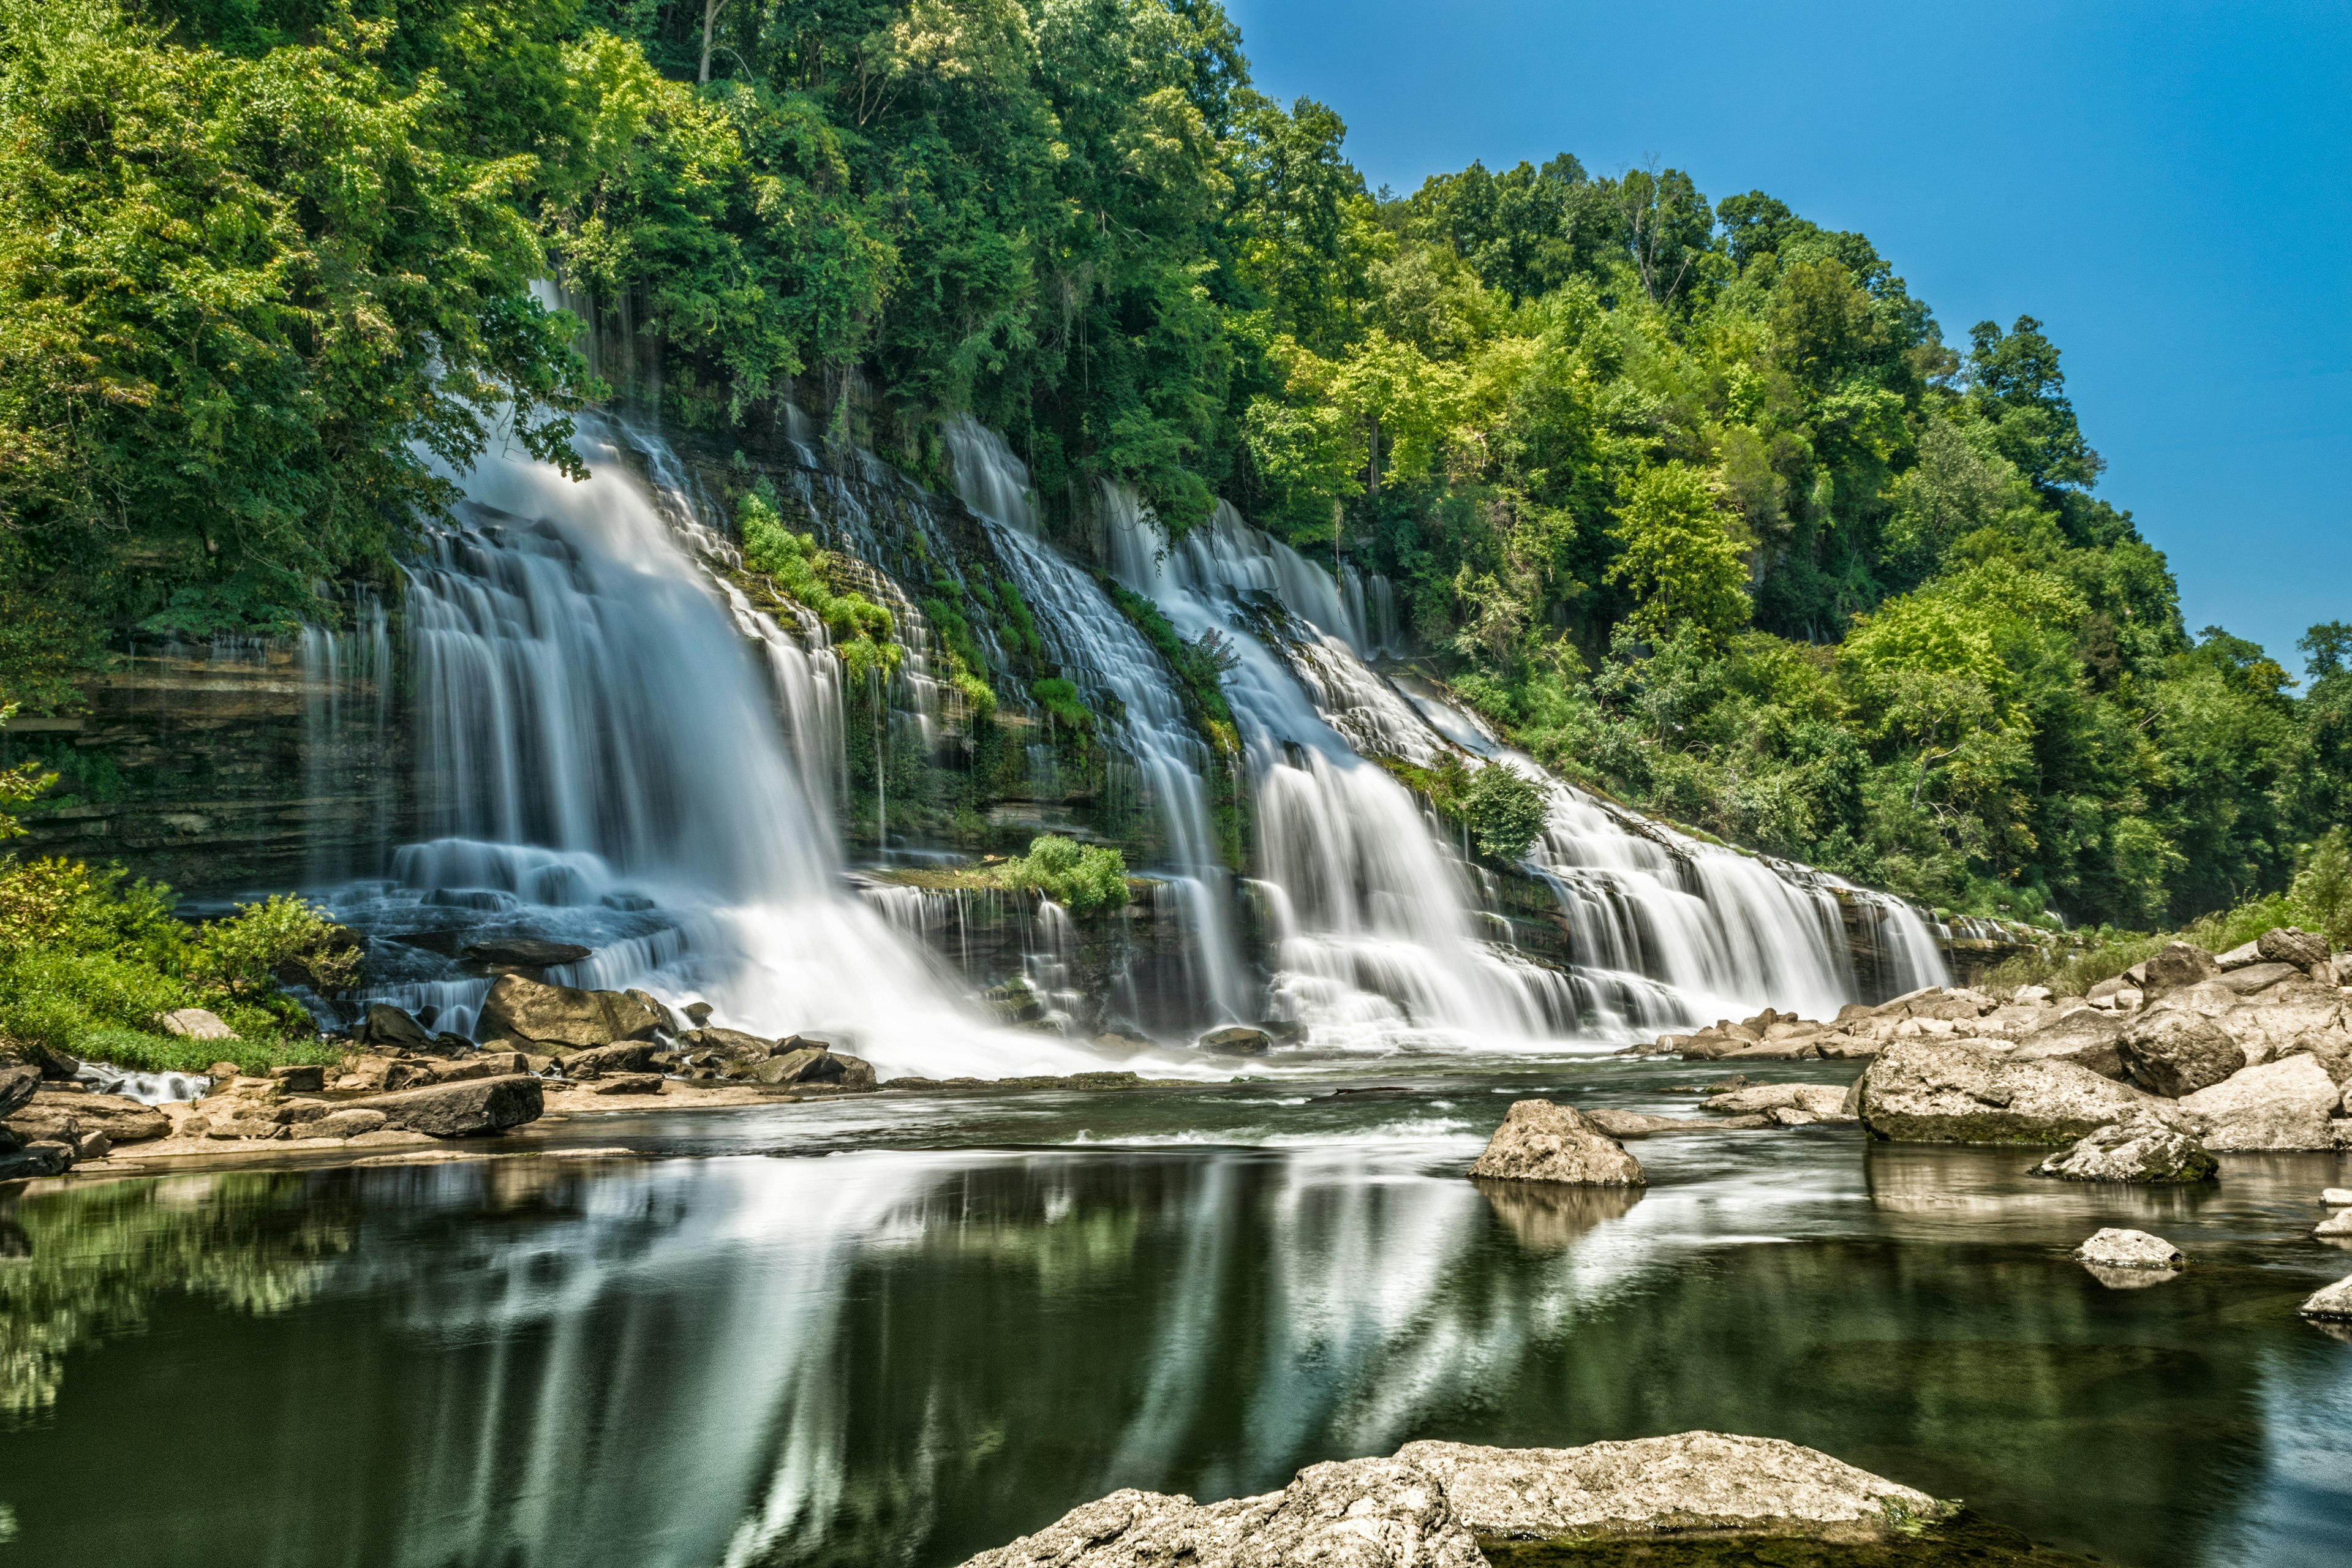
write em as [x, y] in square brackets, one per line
[1663, 930]
[600, 760]
[1091, 640]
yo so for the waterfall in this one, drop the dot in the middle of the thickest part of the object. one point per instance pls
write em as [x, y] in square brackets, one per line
[1666, 931]
[1093, 642]
[600, 760]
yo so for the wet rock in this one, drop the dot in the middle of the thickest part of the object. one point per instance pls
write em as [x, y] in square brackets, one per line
[65, 1117]
[626, 1083]
[696, 1013]
[391, 1028]
[195, 1024]
[518, 1009]
[2292, 944]
[460, 1109]
[1821, 1101]
[659, 1010]
[1239, 1040]
[308, 1078]
[43, 1157]
[2330, 1303]
[630, 1057]
[2172, 1052]
[1949, 1091]
[2175, 967]
[1541, 1142]
[526, 951]
[18, 1083]
[2113, 1248]
[2087, 1037]
[2146, 1144]
[2284, 1104]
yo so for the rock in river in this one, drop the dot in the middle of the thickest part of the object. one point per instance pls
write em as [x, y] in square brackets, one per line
[527, 952]
[2331, 1303]
[2147, 1144]
[459, 1110]
[523, 1009]
[1947, 1091]
[2175, 1052]
[2113, 1248]
[2285, 1104]
[1540, 1141]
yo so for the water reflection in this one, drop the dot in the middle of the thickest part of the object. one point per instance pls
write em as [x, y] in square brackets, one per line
[905, 1356]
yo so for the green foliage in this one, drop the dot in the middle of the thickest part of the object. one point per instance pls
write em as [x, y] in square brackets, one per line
[1060, 698]
[2322, 888]
[1083, 879]
[242, 954]
[1505, 810]
[861, 629]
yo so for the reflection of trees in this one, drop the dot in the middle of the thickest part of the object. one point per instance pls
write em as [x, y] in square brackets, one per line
[89, 1261]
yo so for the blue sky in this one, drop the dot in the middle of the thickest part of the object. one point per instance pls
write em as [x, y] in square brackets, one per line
[2168, 187]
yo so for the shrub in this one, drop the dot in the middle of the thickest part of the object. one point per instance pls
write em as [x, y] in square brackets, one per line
[1082, 879]
[1505, 811]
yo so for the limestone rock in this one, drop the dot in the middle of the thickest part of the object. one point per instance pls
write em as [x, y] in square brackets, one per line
[17, 1086]
[2087, 1037]
[65, 1116]
[460, 1109]
[1239, 1040]
[1633, 1124]
[630, 1057]
[1824, 1101]
[305, 1078]
[2331, 1303]
[1131, 1528]
[524, 1009]
[2147, 1144]
[2336, 1224]
[527, 952]
[2249, 978]
[1690, 1481]
[2030, 995]
[2284, 1104]
[816, 1064]
[1541, 1142]
[390, 1028]
[728, 1044]
[626, 1083]
[2172, 1052]
[195, 1024]
[1947, 1091]
[2292, 944]
[2114, 1248]
[2175, 967]
[351, 1121]
[44, 1157]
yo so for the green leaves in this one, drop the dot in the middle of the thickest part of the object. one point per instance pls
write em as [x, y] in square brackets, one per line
[1679, 554]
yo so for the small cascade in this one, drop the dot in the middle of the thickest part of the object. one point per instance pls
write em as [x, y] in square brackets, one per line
[1094, 643]
[599, 761]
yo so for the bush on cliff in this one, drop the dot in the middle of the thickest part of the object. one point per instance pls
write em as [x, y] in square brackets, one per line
[1083, 879]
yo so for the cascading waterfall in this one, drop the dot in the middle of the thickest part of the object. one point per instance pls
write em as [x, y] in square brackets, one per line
[1666, 931]
[600, 760]
[1090, 639]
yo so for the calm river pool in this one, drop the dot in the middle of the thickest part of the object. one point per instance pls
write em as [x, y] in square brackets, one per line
[902, 1329]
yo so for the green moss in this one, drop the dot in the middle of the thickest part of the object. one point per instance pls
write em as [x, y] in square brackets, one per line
[794, 564]
[1060, 698]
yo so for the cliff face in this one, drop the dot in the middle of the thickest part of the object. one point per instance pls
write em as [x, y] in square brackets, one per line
[224, 770]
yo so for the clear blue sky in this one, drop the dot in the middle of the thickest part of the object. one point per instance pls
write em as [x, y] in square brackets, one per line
[2168, 187]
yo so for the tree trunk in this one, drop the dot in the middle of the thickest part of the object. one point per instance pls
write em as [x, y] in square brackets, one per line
[711, 9]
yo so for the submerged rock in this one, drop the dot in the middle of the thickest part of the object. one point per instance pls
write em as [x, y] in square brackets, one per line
[2113, 1248]
[2174, 1052]
[2146, 1144]
[1424, 1507]
[1541, 1142]
[2285, 1104]
[1948, 1091]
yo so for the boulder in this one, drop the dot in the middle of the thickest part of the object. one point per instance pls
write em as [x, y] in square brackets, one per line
[65, 1116]
[526, 951]
[17, 1085]
[1633, 1124]
[351, 1121]
[518, 1009]
[1949, 1091]
[2146, 1144]
[629, 1056]
[1239, 1040]
[2240, 956]
[2273, 1024]
[195, 1024]
[728, 1044]
[2337, 1197]
[2248, 978]
[2107, 990]
[664, 1019]
[459, 1110]
[696, 1013]
[2292, 944]
[92, 1146]
[1822, 1100]
[2032, 995]
[2337, 1224]
[2173, 1052]
[2284, 1104]
[626, 1083]
[45, 1157]
[391, 1028]
[305, 1078]
[2087, 1037]
[2113, 1248]
[2330, 1303]
[2175, 966]
[814, 1064]
[1540, 1141]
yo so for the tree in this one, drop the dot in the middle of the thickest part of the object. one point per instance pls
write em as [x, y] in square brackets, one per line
[2014, 383]
[1678, 554]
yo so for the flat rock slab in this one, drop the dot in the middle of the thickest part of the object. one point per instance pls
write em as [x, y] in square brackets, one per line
[1948, 1091]
[2114, 1248]
[66, 1117]
[2285, 1104]
[459, 1110]
[1425, 1506]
